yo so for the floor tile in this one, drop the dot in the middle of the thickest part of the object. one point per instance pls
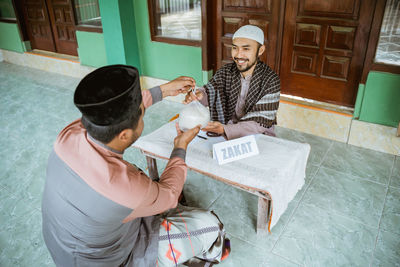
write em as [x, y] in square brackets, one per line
[316, 237]
[364, 163]
[25, 246]
[319, 145]
[237, 210]
[395, 179]
[311, 170]
[244, 254]
[12, 208]
[18, 174]
[21, 242]
[387, 251]
[16, 89]
[347, 195]
[10, 152]
[12, 119]
[391, 212]
[134, 156]
[38, 77]
[33, 189]
[201, 191]
[26, 125]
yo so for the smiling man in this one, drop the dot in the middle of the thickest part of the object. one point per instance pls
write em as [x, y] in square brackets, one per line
[243, 96]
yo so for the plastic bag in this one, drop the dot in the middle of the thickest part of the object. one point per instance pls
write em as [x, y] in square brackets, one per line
[192, 115]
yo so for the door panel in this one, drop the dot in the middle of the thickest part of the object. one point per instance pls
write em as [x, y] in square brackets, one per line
[328, 8]
[259, 6]
[38, 25]
[232, 14]
[62, 18]
[324, 44]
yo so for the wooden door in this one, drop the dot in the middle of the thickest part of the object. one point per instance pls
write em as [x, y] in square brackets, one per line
[63, 24]
[232, 14]
[324, 45]
[38, 25]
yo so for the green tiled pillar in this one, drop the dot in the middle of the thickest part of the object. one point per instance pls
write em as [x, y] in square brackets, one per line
[119, 32]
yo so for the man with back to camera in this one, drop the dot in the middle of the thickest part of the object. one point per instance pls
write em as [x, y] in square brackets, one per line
[243, 96]
[100, 210]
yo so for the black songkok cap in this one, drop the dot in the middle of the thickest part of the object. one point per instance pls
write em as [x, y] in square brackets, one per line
[109, 95]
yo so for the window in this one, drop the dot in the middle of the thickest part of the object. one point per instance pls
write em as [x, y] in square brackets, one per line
[175, 21]
[87, 14]
[7, 11]
[388, 49]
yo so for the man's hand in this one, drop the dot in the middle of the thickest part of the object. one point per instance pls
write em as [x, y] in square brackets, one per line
[184, 138]
[214, 127]
[190, 96]
[180, 85]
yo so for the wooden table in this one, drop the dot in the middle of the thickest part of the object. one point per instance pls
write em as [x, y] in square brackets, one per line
[264, 198]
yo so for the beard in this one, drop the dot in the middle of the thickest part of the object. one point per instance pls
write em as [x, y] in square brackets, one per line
[249, 65]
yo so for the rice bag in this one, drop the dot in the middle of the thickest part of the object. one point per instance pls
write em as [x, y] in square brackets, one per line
[192, 115]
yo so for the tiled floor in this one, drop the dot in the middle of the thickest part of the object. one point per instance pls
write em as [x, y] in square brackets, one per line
[347, 213]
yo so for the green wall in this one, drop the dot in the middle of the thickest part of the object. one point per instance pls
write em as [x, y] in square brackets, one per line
[10, 38]
[359, 100]
[162, 60]
[6, 9]
[119, 32]
[380, 101]
[91, 48]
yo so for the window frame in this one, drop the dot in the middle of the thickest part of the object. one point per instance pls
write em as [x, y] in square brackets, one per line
[8, 20]
[98, 29]
[170, 40]
[11, 20]
[85, 28]
[369, 63]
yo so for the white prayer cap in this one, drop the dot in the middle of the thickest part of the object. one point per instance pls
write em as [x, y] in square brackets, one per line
[250, 32]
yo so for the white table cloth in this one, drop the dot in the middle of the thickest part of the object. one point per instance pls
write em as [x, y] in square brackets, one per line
[279, 168]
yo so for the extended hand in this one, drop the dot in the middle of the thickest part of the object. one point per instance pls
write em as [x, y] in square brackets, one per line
[214, 127]
[178, 86]
[190, 96]
[184, 138]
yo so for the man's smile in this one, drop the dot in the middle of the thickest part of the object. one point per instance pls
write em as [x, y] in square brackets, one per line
[241, 61]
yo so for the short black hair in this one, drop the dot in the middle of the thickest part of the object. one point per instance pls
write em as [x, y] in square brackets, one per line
[106, 134]
[258, 50]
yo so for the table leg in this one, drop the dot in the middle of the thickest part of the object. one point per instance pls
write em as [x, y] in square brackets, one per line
[263, 215]
[152, 166]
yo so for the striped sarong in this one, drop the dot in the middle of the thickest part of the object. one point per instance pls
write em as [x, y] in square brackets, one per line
[190, 234]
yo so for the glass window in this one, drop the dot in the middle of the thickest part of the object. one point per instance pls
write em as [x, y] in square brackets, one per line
[87, 13]
[7, 10]
[180, 19]
[388, 50]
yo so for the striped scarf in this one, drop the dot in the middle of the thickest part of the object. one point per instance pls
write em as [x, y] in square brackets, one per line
[262, 99]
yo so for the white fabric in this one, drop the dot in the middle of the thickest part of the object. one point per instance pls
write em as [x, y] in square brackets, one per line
[192, 115]
[250, 32]
[279, 168]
